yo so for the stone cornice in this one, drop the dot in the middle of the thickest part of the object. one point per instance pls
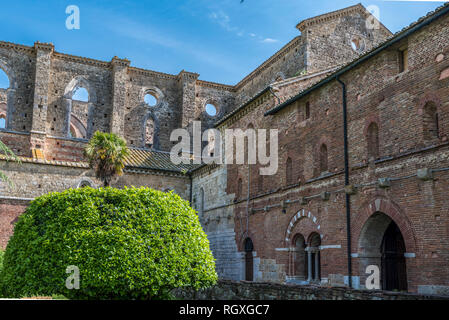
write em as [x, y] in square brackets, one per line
[152, 73]
[330, 16]
[267, 63]
[18, 47]
[188, 75]
[215, 85]
[77, 59]
[116, 61]
[44, 46]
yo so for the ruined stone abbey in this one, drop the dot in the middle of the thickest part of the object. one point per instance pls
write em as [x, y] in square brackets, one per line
[363, 120]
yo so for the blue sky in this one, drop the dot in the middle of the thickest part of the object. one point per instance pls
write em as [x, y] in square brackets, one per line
[222, 40]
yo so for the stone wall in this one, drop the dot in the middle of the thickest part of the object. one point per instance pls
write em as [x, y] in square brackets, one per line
[231, 290]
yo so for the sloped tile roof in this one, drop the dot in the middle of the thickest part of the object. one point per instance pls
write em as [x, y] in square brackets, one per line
[157, 160]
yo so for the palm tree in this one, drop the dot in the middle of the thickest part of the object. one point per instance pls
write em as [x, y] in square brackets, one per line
[106, 153]
[9, 156]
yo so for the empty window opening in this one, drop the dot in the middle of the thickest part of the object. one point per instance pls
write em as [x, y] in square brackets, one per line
[150, 100]
[149, 133]
[81, 94]
[4, 85]
[4, 80]
[211, 110]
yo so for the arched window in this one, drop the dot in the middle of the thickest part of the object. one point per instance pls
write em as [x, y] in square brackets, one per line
[80, 99]
[373, 141]
[149, 133]
[4, 86]
[4, 80]
[300, 257]
[323, 159]
[289, 172]
[79, 113]
[81, 94]
[249, 265]
[430, 121]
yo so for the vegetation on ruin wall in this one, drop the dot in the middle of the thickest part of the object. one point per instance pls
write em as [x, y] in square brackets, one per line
[134, 243]
[9, 156]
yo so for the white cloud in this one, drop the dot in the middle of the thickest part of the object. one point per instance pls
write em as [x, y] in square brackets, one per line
[269, 40]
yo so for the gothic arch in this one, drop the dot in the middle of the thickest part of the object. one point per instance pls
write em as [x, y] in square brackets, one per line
[390, 209]
[71, 88]
[10, 92]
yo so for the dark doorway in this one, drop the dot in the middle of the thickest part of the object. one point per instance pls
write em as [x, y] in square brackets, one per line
[249, 248]
[394, 274]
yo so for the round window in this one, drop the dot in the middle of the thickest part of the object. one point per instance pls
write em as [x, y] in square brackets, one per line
[211, 110]
[150, 100]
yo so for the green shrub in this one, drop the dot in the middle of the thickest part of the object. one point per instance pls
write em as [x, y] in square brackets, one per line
[135, 243]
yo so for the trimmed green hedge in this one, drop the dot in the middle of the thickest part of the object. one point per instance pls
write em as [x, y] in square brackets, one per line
[133, 243]
[1, 259]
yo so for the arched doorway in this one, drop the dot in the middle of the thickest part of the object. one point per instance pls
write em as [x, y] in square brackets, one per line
[381, 243]
[394, 273]
[249, 265]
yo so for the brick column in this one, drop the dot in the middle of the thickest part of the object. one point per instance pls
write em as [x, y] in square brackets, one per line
[119, 79]
[187, 82]
[44, 52]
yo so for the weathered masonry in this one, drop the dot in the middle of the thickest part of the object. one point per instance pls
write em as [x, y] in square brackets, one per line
[363, 120]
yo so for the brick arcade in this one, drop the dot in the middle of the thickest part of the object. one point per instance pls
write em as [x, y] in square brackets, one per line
[390, 200]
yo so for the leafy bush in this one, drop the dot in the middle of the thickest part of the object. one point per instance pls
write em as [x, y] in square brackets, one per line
[135, 243]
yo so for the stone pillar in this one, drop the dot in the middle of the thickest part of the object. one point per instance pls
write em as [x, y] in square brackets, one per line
[317, 265]
[44, 52]
[187, 81]
[119, 79]
[309, 264]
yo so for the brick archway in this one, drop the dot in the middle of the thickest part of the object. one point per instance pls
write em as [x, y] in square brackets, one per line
[301, 214]
[393, 211]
